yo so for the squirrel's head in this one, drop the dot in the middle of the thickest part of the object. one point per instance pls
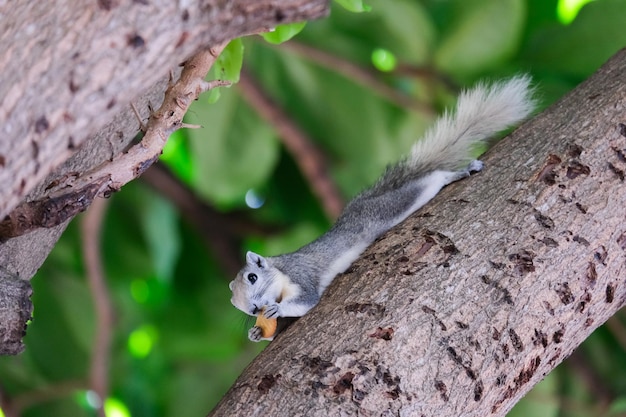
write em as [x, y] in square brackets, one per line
[257, 285]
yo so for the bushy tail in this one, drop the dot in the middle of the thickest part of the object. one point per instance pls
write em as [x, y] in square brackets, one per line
[480, 113]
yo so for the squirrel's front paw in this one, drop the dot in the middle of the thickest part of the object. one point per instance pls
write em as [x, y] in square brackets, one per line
[255, 334]
[271, 311]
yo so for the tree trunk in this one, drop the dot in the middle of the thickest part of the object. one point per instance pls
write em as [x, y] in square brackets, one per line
[70, 70]
[465, 306]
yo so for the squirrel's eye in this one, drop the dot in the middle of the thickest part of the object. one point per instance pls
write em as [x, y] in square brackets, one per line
[252, 278]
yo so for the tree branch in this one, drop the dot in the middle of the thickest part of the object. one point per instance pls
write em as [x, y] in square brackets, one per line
[73, 195]
[100, 356]
[465, 306]
[16, 310]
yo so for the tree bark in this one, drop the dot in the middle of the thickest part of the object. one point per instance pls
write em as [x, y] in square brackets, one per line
[15, 311]
[70, 70]
[68, 67]
[465, 306]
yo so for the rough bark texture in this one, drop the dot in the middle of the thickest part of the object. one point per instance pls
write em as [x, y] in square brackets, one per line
[464, 307]
[71, 69]
[68, 67]
[15, 311]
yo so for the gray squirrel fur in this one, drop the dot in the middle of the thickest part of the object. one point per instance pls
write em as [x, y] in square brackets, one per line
[289, 285]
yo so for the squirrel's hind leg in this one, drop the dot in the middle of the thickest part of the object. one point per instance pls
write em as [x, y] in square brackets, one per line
[473, 167]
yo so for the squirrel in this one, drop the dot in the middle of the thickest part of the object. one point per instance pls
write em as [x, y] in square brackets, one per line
[290, 285]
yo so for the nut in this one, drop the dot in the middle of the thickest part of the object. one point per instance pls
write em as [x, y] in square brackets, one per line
[268, 326]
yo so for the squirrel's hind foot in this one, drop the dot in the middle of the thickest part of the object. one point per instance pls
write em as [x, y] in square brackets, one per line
[475, 166]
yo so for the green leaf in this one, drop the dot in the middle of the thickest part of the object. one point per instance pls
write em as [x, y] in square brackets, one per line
[283, 33]
[233, 153]
[214, 95]
[227, 67]
[487, 32]
[291, 240]
[618, 407]
[123, 245]
[580, 48]
[176, 155]
[404, 29]
[568, 9]
[60, 347]
[160, 227]
[354, 5]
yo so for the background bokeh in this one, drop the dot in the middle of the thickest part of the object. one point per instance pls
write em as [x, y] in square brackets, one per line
[359, 87]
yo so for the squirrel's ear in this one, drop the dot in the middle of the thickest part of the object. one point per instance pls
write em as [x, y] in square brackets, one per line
[256, 259]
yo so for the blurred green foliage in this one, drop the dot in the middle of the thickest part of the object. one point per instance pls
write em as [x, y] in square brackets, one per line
[178, 343]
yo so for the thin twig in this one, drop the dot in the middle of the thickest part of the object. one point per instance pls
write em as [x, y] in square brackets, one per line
[358, 74]
[142, 125]
[100, 357]
[306, 155]
[69, 197]
[162, 123]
